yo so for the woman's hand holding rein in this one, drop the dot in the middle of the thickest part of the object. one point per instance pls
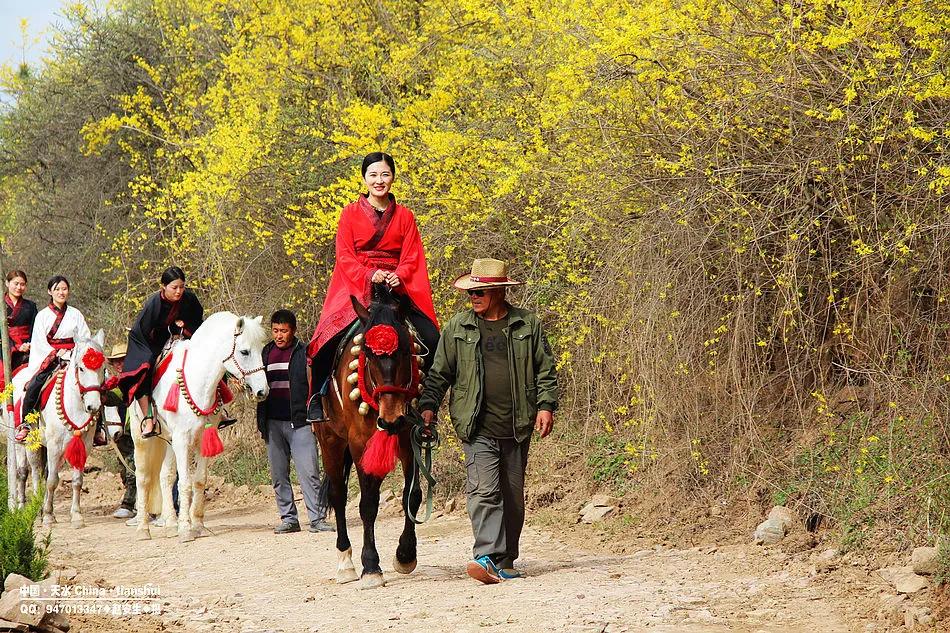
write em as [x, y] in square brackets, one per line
[389, 277]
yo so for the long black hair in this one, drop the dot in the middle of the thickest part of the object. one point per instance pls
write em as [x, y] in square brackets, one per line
[171, 274]
[375, 157]
[55, 279]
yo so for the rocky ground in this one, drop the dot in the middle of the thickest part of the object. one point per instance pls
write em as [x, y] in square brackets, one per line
[244, 578]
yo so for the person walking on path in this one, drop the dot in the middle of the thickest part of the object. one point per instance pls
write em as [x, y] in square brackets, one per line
[497, 361]
[282, 421]
[115, 418]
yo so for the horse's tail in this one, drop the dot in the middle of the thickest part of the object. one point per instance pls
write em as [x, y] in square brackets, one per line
[155, 496]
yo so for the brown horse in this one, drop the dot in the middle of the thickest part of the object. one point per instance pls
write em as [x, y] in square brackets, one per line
[378, 367]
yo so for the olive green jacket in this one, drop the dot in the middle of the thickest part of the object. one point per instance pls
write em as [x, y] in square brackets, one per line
[458, 365]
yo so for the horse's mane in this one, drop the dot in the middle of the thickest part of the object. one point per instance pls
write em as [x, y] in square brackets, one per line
[388, 308]
[225, 320]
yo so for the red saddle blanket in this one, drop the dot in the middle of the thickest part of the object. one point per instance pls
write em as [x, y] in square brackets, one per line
[44, 396]
[2, 377]
[160, 368]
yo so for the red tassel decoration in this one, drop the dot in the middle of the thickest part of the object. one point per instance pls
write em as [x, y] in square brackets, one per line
[211, 442]
[171, 400]
[76, 451]
[227, 396]
[379, 458]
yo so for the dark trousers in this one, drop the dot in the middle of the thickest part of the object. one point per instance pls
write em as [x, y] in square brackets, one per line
[495, 471]
[33, 389]
[127, 450]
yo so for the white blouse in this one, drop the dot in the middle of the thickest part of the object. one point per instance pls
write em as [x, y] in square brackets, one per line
[73, 326]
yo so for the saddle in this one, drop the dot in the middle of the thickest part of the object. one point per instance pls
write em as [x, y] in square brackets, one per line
[45, 393]
[161, 365]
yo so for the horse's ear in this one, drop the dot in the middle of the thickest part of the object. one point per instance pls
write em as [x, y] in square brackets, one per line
[259, 319]
[361, 312]
[100, 338]
[239, 326]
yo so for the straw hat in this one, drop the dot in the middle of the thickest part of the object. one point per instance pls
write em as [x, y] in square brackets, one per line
[486, 273]
[119, 350]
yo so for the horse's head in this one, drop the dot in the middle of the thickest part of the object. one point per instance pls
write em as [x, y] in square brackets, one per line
[245, 361]
[388, 369]
[88, 366]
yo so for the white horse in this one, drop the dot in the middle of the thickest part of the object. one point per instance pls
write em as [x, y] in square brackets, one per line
[224, 344]
[68, 425]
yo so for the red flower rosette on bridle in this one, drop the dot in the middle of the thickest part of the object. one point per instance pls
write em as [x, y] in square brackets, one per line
[382, 340]
[93, 359]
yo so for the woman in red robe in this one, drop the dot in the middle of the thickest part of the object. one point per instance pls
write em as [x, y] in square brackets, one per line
[377, 241]
[20, 313]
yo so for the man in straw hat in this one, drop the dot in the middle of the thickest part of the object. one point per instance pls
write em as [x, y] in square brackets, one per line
[497, 361]
[115, 411]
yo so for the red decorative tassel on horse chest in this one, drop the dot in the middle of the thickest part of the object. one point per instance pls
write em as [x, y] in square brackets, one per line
[75, 452]
[171, 400]
[211, 442]
[379, 458]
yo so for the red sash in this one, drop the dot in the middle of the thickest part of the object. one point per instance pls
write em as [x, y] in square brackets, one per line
[56, 343]
[19, 334]
[385, 260]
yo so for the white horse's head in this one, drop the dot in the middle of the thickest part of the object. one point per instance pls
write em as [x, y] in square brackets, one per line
[245, 361]
[88, 366]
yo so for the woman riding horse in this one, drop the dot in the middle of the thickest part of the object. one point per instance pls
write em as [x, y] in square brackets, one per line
[172, 311]
[377, 241]
[55, 331]
[20, 314]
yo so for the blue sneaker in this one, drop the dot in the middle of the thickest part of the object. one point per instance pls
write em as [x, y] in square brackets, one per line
[484, 570]
[509, 573]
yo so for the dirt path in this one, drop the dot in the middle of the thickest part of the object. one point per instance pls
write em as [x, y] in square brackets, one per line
[246, 579]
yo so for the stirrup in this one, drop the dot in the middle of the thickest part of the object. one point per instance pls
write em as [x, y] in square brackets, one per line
[156, 427]
[315, 412]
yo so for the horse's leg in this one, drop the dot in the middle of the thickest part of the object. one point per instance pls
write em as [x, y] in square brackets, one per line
[198, 502]
[22, 472]
[75, 514]
[405, 560]
[336, 466]
[169, 471]
[372, 576]
[36, 462]
[54, 457]
[183, 444]
[144, 473]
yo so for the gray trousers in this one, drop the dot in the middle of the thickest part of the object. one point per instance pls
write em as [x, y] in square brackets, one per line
[494, 484]
[283, 443]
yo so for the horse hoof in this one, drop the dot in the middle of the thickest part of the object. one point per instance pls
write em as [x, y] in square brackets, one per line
[77, 524]
[372, 581]
[404, 568]
[143, 535]
[344, 576]
[49, 520]
[186, 536]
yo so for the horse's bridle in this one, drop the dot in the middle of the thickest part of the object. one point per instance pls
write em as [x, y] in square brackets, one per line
[231, 356]
[371, 397]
